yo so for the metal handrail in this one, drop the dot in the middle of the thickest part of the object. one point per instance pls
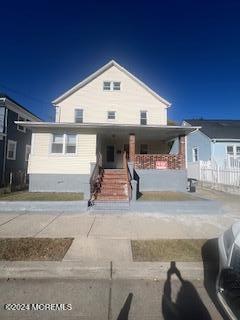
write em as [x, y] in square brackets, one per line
[96, 178]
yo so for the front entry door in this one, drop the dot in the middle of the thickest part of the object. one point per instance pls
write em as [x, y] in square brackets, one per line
[110, 156]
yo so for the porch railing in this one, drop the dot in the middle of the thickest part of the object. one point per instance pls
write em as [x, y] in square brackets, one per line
[159, 161]
[125, 167]
[96, 178]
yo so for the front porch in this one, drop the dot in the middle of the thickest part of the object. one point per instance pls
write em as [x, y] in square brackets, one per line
[140, 160]
[153, 152]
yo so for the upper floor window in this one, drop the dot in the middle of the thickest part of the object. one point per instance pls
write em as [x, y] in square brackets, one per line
[79, 115]
[19, 127]
[111, 115]
[143, 117]
[116, 85]
[64, 143]
[106, 85]
[111, 85]
[27, 152]
[195, 155]
[11, 150]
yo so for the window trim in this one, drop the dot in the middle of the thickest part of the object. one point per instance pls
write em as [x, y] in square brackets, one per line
[63, 153]
[27, 146]
[141, 111]
[75, 110]
[111, 119]
[193, 154]
[15, 149]
[18, 126]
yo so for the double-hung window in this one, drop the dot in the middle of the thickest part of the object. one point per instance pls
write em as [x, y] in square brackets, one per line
[57, 143]
[143, 117]
[11, 150]
[116, 85]
[79, 115]
[63, 144]
[70, 146]
[19, 127]
[107, 86]
[111, 115]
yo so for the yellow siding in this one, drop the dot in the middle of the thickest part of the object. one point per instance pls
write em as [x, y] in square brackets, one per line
[42, 161]
[128, 102]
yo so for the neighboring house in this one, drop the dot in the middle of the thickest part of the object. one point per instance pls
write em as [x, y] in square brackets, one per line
[15, 140]
[217, 140]
[110, 134]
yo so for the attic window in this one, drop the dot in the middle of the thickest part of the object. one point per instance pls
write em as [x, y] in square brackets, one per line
[111, 86]
[106, 85]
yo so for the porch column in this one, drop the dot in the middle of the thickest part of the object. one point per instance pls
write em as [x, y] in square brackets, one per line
[132, 147]
[182, 151]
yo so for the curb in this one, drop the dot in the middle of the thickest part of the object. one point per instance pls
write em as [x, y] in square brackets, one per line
[106, 270]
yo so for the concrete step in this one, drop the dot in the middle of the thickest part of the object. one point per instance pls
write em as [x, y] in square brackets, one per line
[108, 197]
[119, 205]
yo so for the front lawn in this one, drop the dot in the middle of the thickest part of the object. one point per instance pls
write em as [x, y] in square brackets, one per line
[165, 196]
[164, 250]
[34, 249]
[41, 196]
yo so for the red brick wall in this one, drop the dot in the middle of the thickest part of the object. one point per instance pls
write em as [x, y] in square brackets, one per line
[148, 161]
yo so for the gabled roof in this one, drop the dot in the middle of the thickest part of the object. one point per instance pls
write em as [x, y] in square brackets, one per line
[100, 71]
[217, 129]
[7, 101]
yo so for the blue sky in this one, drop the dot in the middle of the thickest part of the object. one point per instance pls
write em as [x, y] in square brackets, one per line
[187, 51]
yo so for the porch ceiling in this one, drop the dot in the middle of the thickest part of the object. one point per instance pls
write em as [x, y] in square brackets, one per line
[148, 131]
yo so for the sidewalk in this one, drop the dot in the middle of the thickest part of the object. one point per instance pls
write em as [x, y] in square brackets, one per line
[103, 240]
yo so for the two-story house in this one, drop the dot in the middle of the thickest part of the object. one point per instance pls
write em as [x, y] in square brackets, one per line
[110, 133]
[15, 141]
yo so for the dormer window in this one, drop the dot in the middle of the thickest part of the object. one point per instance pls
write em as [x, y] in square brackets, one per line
[111, 86]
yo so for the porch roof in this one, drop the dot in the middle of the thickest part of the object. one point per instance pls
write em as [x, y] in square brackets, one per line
[163, 131]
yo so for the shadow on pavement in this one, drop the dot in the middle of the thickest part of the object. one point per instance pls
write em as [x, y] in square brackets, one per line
[210, 259]
[188, 305]
[123, 315]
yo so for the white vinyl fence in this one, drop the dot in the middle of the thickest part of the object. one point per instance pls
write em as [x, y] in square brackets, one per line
[209, 171]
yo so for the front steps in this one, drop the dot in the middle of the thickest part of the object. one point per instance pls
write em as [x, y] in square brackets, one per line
[113, 194]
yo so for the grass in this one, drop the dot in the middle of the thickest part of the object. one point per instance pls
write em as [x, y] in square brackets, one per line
[165, 196]
[41, 196]
[181, 250]
[34, 249]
